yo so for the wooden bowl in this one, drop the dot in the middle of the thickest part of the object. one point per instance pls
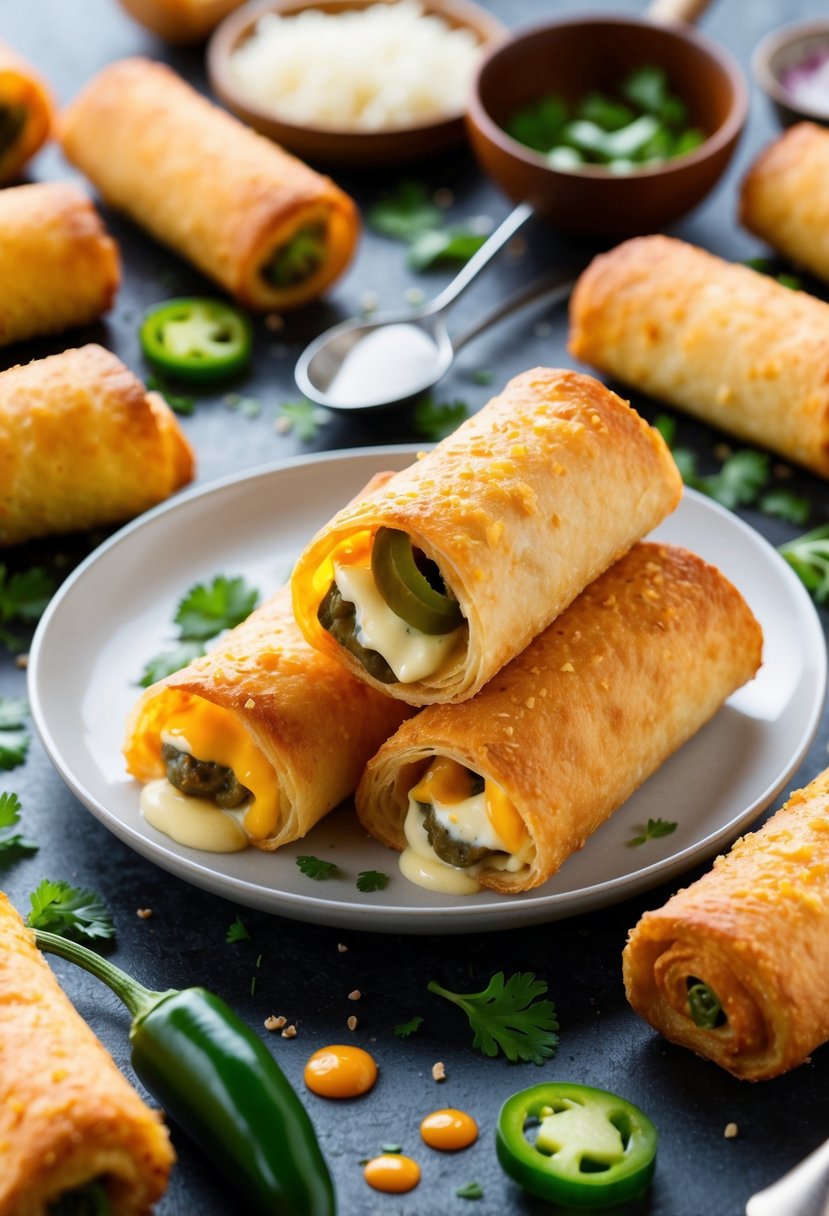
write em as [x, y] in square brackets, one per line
[393, 145]
[570, 57]
[784, 49]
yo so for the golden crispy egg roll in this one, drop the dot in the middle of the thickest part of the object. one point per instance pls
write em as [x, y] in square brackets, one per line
[68, 1119]
[83, 444]
[270, 230]
[784, 197]
[180, 21]
[428, 586]
[26, 112]
[723, 342]
[256, 741]
[58, 266]
[736, 966]
[501, 790]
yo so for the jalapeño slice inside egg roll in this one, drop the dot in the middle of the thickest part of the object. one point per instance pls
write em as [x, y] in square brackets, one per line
[71, 1127]
[266, 227]
[58, 266]
[736, 966]
[83, 444]
[723, 342]
[785, 196]
[256, 741]
[26, 112]
[501, 790]
[429, 585]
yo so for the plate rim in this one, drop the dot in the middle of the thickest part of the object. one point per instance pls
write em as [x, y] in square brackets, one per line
[532, 908]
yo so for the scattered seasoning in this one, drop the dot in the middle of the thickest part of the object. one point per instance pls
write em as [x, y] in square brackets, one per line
[439, 1071]
[250, 703]
[351, 1022]
[22, 661]
[414, 295]
[253, 985]
[275, 1023]
[355, 995]
[341, 948]
[369, 301]
[443, 197]
[144, 913]
[289, 1032]
[274, 322]
[731, 1130]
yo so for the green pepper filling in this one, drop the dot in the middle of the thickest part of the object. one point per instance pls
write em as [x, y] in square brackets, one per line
[202, 778]
[444, 845]
[89, 1200]
[298, 258]
[704, 1005]
[339, 617]
[12, 122]
[412, 585]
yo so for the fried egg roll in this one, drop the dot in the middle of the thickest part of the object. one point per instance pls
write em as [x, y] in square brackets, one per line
[256, 741]
[69, 1121]
[26, 112]
[428, 586]
[736, 966]
[725, 343]
[499, 791]
[180, 21]
[82, 445]
[270, 230]
[784, 197]
[58, 266]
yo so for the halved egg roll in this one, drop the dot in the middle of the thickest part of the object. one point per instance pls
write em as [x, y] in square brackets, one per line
[83, 444]
[736, 966]
[180, 21]
[723, 342]
[270, 230]
[26, 112]
[428, 586]
[784, 198]
[499, 791]
[71, 1126]
[256, 741]
[58, 266]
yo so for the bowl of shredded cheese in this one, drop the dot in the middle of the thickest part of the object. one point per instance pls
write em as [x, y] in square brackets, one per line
[353, 82]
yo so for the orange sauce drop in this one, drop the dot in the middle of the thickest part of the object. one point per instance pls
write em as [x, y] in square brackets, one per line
[392, 1173]
[449, 1129]
[340, 1072]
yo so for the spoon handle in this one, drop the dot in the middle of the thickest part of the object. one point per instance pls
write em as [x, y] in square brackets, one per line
[552, 289]
[503, 233]
[676, 10]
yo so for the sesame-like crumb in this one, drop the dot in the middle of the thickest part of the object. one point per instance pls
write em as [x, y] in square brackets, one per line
[355, 995]
[439, 1071]
[275, 1023]
[351, 1022]
[289, 1032]
[143, 913]
[274, 322]
[21, 661]
[283, 425]
[567, 667]
[342, 948]
[250, 703]
[731, 1130]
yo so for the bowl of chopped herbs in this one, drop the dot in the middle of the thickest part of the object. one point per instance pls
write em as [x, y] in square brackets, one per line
[611, 126]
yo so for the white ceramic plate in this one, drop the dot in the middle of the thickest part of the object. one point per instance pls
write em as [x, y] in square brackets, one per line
[116, 611]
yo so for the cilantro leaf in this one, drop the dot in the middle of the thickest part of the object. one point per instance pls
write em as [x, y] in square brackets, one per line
[739, 481]
[470, 1190]
[783, 504]
[506, 1017]
[666, 425]
[207, 610]
[23, 597]
[405, 214]
[178, 404]
[372, 880]
[404, 1029]
[13, 845]
[652, 830]
[238, 932]
[483, 376]
[315, 867]
[441, 245]
[302, 417]
[434, 421]
[72, 912]
[808, 556]
[168, 661]
[14, 738]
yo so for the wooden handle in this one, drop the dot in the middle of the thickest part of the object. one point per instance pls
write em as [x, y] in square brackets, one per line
[677, 10]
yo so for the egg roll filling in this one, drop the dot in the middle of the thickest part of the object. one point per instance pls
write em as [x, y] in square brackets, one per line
[704, 1005]
[89, 1200]
[203, 778]
[12, 123]
[298, 258]
[390, 607]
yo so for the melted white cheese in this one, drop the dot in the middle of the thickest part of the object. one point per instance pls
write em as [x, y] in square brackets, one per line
[194, 822]
[410, 654]
[421, 865]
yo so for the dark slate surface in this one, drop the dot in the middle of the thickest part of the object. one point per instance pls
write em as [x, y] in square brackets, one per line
[302, 974]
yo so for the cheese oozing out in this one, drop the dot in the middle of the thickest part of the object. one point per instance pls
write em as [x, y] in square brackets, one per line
[487, 820]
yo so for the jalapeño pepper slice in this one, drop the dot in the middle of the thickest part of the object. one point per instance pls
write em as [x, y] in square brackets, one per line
[591, 1149]
[197, 339]
[406, 589]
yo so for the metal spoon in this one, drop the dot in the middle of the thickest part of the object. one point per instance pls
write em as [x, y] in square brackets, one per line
[394, 357]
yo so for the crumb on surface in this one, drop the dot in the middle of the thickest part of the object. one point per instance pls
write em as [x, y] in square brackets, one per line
[342, 948]
[731, 1130]
[355, 994]
[351, 1022]
[289, 1032]
[143, 913]
[275, 1023]
[439, 1071]
[21, 661]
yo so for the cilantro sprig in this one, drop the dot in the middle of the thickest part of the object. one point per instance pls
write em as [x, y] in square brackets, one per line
[237, 931]
[652, 830]
[808, 556]
[372, 880]
[23, 598]
[13, 844]
[404, 1029]
[301, 417]
[409, 215]
[435, 420]
[14, 737]
[507, 1017]
[73, 912]
[204, 611]
[315, 867]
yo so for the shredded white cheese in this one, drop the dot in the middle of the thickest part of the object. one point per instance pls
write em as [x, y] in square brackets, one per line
[382, 67]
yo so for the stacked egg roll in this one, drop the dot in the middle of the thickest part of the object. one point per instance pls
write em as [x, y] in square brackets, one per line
[785, 196]
[569, 729]
[68, 1118]
[26, 112]
[736, 966]
[180, 21]
[83, 444]
[723, 342]
[266, 227]
[288, 723]
[58, 266]
[510, 517]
